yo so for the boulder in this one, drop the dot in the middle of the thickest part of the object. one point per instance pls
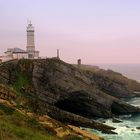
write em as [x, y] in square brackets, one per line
[114, 120]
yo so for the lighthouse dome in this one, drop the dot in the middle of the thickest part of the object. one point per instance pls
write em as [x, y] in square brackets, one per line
[30, 27]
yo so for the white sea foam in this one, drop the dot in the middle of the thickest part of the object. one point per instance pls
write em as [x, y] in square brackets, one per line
[127, 129]
[125, 116]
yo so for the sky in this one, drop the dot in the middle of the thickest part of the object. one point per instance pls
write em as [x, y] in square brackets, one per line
[97, 31]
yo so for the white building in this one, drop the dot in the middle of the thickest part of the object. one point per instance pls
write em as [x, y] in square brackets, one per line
[17, 53]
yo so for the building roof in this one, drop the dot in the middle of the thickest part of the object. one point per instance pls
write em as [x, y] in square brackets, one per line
[15, 50]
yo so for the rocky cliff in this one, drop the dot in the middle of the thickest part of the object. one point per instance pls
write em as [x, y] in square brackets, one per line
[67, 93]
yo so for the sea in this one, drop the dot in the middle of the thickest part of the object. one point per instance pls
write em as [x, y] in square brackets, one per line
[127, 130]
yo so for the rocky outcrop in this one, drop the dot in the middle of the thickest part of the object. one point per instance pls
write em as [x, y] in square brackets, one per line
[115, 120]
[70, 89]
[7, 93]
[113, 83]
[77, 120]
[65, 92]
[119, 108]
[115, 89]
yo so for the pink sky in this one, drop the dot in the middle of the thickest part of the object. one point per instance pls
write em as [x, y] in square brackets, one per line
[95, 31]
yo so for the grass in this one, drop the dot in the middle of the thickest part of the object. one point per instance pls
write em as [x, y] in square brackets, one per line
[21, 75]
[112, 76]
[19, 83]
[15, 126]
[5, 110]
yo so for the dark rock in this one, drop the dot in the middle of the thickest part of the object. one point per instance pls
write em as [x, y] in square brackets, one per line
[121, 108]
[101, 120]
[70, 118]
[66, 93]
[114, 120]
[138, 128]
[115, 84]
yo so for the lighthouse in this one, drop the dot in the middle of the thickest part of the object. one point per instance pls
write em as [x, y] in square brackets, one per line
[31, 42]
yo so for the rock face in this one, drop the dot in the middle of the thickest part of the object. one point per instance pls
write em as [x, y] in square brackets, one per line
[6, 93]
[114, 120]
[114, 88]
[114, 84]
[54, 86]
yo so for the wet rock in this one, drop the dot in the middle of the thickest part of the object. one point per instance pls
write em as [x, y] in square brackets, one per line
[114, 120]
[138, 128]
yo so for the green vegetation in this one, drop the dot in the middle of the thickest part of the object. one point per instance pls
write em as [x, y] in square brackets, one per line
[6, 110]
[112, 76]
[15, 126]
[21, 74]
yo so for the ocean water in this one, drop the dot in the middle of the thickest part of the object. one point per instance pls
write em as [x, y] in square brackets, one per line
[127, 130]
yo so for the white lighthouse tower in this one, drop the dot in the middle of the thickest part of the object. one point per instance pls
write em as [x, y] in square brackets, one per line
[31, 43]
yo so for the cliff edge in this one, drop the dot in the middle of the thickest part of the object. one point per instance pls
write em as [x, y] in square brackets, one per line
[66, 93]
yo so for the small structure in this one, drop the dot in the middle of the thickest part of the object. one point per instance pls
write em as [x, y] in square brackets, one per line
[58, 54]
[79, 63]
[1, 57]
